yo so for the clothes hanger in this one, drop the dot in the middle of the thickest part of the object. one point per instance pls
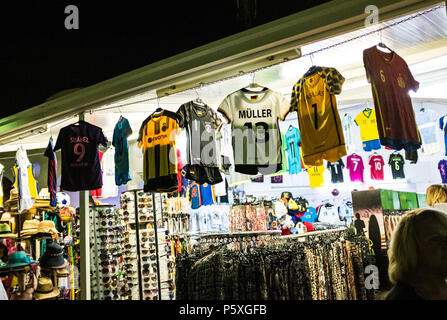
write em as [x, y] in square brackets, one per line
[254, 85]
[383, 45]
[198, 100]
[159, 109]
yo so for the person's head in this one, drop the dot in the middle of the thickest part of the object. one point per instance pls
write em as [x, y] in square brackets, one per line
[357, 215]
[418, 246]
[436, 193]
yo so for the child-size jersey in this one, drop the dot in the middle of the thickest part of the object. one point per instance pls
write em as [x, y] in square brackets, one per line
[376, 162]
[194, 194]
[313, 97]
[316, 178]
[396, 161]
[207, 194]
[367, 122]
[157, 138]
[292, 140]
[354, 164]
[336, 171]
[442, 167]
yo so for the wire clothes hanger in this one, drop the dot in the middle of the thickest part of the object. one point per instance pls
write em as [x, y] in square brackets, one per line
[383, 45]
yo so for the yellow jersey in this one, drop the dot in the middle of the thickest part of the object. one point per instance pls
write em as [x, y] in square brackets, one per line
[316, 176]
[157, 140]
[32, 183]
[367, 122]
[313, 98]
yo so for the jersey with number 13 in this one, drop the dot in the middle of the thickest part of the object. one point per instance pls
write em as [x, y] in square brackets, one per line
[313, 97]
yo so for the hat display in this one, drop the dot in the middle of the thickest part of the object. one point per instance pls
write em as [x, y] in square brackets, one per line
[6, 216]
[18, 259]
[29, 227]
[45, 289]
[53, 257]
[5, 231]
[47, 227]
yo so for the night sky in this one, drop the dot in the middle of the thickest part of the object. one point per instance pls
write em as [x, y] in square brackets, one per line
[39, 57]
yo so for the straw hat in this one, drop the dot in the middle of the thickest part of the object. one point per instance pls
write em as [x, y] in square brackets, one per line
[47, 227]
[5, 231]
[6, 216]
[45, 289]
[29, 227]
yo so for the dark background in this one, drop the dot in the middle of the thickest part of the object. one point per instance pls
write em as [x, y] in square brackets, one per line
[40, 58]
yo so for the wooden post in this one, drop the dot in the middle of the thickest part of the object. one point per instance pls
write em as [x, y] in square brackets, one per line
[84, 240]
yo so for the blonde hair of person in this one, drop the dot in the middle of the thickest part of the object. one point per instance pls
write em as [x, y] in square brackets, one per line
[403, 253]
[436, 193]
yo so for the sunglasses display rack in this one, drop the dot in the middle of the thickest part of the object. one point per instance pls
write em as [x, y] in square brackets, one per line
[107, 245]
[137, 210]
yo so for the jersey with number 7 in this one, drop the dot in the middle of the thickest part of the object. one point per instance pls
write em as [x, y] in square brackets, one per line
[313, 97]
[354, 164]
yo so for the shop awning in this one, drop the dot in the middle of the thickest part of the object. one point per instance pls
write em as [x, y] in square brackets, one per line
[265, 45]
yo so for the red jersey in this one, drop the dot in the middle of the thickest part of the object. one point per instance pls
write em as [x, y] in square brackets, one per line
[376, 162]
[391, 80]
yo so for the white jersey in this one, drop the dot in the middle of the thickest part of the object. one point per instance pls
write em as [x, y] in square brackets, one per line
[255, 130]
[348, 124]
[328, 215]
[22, 164]
[109, 188]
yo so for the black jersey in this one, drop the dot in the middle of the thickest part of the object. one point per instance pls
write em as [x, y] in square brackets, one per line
[397, 162]
[336, 171]
[81, 169]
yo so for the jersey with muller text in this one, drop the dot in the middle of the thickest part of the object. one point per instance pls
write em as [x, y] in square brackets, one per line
[255, 131]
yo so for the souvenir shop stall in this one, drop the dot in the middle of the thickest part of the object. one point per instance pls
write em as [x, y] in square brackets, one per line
[282, 183]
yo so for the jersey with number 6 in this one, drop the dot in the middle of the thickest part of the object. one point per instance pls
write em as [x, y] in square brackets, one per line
[376, 162]
[254, 118]
[81, 169]
[396, 161]
[354, 164]
[313, 97]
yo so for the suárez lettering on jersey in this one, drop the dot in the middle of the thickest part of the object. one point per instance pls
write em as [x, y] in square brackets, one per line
[79, 139]
[249, 114]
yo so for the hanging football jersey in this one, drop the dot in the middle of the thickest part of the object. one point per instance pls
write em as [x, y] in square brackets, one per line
[1, 184]
[376, 162]
[442, 167]
[336, 171]
[256, 136]
[443, 126]
[348, 125]
[313, 97]
[81, 168]
[157, 140]
[426, 120]
[109, 187]
[24, 180]
[293, 141]
[52, 172]
[194, 194]
[201, 123]
[328, 214]
[316, 176]
[396, 161]
[207, 194]
[97, 193]
[120, 134]
[367, 122]
[391, 81]
[354, 164]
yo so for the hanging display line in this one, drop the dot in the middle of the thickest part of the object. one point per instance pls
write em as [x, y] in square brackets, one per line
[309, 54]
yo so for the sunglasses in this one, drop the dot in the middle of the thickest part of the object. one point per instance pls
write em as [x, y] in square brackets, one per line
[150, 258]
[151, 239]
[146, 251]
[146, 233]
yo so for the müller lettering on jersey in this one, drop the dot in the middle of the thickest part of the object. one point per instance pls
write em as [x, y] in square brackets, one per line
[79, 140]
[253, 114]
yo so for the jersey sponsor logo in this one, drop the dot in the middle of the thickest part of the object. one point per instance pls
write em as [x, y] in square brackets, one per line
[253, 114]
[400, 81]
[319, 93]
[163, 136]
